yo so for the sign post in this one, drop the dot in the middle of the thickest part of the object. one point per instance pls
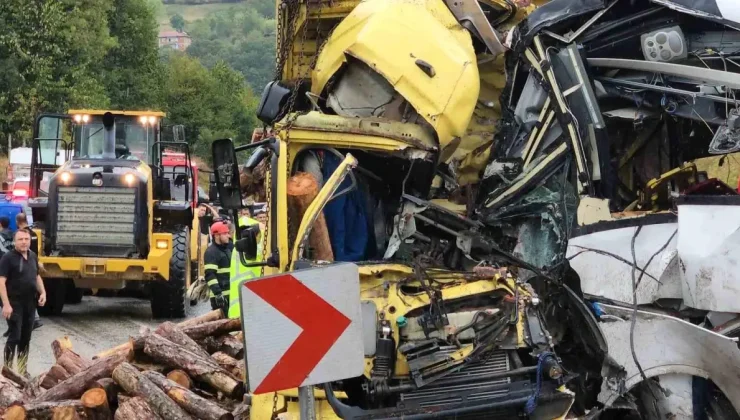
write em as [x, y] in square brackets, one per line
[306, 401]
[301, 329]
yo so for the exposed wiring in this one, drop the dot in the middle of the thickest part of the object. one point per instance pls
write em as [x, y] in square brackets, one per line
[665, 245]
[615, 256]
[634, 305]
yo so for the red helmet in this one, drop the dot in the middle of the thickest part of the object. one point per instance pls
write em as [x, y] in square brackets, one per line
[219, 227]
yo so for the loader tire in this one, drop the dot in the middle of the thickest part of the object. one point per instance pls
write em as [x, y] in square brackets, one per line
[72, 294]
[168, 297]
[55, 297]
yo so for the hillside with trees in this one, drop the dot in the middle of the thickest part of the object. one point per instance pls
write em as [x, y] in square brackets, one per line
[62, 54]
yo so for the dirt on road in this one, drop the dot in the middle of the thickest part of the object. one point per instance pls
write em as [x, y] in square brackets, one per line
[96, 324]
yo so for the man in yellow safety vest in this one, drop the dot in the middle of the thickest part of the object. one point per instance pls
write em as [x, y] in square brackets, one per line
[240, 273]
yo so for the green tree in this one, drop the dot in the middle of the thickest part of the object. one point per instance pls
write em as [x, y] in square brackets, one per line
[133, 71]
[243, 37]
[50, 54]
[209, 103]
[178, 22]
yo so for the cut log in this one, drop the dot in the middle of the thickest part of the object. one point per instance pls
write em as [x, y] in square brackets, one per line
[232, 346]
[137, 384]
[214, 315]
[54, 410]
[72, 362]
[95, 403]
[214, 328]
[227, 343]
[135, 409]
[34, 389]
[65, 413]
[240, 336]
[192, 403]
[15, 377]
[302, 189]
[55, 375]
[181, 378]
[59, 345]
[111, 389]
[123, 348]
[142, 366]
[171, 332]
[241, 412]
[75, 385]
[122, 397]
[16, 412]
[206, 370]
[137, 343]
[236, 367]
[9, 393]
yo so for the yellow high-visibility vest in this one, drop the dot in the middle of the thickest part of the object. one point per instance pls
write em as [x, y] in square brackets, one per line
[239, 273]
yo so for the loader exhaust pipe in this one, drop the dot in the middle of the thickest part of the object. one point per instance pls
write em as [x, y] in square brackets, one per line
[109, 136]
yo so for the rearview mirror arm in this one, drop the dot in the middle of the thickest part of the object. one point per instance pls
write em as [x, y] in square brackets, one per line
[267, 142]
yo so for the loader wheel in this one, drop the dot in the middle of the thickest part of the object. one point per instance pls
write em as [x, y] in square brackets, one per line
[168, 297]
[55, 296]
[72, 294]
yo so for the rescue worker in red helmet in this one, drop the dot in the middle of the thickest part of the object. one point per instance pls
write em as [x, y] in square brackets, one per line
[217, 263]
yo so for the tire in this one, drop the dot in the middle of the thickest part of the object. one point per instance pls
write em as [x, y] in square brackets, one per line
[55, 297]
[72, 294]
[168, 297]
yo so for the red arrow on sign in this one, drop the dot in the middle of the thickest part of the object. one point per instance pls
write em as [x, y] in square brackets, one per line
[321, 325]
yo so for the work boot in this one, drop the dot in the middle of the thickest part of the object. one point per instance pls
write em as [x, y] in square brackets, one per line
[36, 324]
[7, 333]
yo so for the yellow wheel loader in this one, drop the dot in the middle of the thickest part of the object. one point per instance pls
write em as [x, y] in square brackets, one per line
[105, 209]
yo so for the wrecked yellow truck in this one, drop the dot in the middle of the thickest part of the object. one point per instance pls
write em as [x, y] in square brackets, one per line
[540, 196]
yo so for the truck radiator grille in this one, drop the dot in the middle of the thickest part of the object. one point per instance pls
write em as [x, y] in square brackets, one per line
[96, 216]
[474, 375]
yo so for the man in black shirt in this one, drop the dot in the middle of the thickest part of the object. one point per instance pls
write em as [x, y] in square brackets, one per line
[21, 222]
[21, 288]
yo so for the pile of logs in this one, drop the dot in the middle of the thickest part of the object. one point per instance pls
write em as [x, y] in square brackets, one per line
[191, 370]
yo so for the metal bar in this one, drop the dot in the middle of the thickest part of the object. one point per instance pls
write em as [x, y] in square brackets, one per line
[657, 88]
[307, 403]
[708, 76]
[253, 145]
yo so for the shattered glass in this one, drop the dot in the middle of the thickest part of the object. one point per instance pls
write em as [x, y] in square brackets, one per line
[542, 219]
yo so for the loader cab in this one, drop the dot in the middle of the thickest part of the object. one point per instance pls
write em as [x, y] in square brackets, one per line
[81, 135]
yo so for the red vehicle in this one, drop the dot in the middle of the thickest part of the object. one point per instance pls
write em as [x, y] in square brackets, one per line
[175, 163]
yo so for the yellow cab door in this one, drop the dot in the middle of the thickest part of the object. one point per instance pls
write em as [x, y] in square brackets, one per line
[317, 205]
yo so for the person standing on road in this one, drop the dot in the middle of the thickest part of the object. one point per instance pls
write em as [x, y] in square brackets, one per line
[21, 289]
[22, 222]
[217, 263]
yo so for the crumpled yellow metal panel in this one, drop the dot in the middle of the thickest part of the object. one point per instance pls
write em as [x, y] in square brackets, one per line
[471, 156]
[390, 36]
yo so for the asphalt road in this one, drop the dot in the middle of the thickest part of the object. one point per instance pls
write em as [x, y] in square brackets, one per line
[96, 324]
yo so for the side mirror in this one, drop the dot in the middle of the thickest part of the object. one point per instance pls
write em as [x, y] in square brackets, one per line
[226, 171]
[246, 245]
